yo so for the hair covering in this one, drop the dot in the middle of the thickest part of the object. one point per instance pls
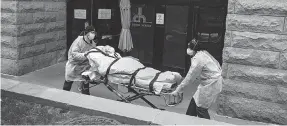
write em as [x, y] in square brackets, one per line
[88, 29]
[192, 44]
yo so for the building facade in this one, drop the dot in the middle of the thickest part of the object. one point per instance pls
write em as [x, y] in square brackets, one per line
[248, 37]
[255, 60]
[33, 35]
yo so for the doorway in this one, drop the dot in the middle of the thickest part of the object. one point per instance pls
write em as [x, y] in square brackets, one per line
[158, 43]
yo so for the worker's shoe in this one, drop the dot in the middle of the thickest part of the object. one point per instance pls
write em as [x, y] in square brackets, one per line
[85, 88]
[67, 85]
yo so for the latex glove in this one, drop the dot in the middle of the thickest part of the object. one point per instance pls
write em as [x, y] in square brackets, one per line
[175, 93]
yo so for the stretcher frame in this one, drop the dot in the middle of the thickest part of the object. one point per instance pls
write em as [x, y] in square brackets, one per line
[137, 94]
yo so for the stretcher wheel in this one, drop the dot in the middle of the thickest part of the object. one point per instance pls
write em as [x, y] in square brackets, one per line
[80, 87]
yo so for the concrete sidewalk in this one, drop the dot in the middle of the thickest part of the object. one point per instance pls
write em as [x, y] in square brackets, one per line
[53, 77]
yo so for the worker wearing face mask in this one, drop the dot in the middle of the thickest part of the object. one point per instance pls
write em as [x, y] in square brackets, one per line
[77, 61]
[205, 67]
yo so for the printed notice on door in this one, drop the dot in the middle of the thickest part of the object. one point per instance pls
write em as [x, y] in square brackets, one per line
[104, 14]
[159, 18]
[80, 14]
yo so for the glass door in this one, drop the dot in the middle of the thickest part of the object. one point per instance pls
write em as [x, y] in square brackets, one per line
[174, 49]
[142, 31]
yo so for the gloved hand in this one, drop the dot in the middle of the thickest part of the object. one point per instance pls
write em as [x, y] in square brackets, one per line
[175, 93]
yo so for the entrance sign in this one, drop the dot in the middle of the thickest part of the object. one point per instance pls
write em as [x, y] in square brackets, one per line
[142, 30]
[159, 18]
[104, 14]
[141, 16]
[80, 14]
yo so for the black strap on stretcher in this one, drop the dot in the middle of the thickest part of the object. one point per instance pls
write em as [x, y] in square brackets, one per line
[153, 80]
[134, 75]
[109, 68]
[98, 50]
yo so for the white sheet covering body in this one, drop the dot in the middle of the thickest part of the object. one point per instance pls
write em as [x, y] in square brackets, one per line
[127, 65]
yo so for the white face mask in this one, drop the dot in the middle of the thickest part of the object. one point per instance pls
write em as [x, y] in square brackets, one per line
[189, 52]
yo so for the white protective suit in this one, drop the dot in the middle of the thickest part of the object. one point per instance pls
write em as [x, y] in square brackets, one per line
[204, 66]
[77, 62]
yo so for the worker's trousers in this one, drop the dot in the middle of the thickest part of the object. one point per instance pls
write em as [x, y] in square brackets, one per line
[84, 86]
[193, 110]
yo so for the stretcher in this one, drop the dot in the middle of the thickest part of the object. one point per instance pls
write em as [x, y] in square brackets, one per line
[139, 92]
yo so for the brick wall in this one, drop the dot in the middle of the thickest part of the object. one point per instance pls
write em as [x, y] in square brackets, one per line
[33, 35]
[255, 61]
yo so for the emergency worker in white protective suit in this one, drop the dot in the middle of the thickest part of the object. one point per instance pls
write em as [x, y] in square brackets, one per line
[208, 70]
[77, 61]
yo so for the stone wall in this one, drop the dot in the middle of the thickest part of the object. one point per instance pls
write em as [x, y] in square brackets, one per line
[255, 61]
[33, 35]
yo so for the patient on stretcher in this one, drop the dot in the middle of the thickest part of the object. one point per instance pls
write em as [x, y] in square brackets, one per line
[121, 70]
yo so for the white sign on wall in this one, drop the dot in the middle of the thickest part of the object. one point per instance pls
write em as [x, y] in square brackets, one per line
[159, 18]
[104, 14]
[80, 14]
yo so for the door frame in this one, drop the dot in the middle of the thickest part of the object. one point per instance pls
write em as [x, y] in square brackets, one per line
[69, 24]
